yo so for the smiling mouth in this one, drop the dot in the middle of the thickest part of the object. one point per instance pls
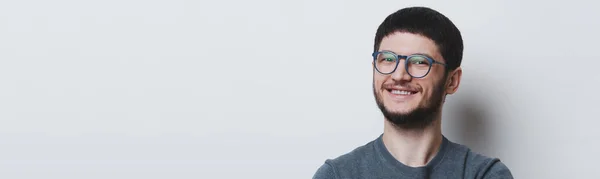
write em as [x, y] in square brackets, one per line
[401, 95]
[401, 92]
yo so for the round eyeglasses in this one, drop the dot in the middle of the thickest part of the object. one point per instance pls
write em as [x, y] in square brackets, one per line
[417, 65]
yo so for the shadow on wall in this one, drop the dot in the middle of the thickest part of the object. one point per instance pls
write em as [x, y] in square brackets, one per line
[469, 121]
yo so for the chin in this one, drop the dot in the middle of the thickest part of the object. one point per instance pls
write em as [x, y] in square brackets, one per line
[401, 107]
[399, 110]
[407, 115]
[418, 118]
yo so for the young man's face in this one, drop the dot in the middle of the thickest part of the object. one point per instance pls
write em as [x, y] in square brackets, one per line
[405, 100]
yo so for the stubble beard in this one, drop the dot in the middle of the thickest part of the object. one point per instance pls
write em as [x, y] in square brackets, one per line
[418, 118]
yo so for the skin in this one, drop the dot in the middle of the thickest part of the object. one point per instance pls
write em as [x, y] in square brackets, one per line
[413, 146]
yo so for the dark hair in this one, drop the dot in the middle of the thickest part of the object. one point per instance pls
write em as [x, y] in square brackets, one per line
[429, 23]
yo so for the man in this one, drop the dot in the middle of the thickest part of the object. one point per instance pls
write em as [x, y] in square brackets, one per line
[416, 63]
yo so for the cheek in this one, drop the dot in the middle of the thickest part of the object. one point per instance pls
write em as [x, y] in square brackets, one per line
[427, 94]
[430, 91]
[377, 82]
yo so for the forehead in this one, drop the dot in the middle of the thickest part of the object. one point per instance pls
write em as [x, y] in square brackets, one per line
[405, 43]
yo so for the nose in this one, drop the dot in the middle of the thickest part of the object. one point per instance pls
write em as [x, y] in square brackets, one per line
[401, 74]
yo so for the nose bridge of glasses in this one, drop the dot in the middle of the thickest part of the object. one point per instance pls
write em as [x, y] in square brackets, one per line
[399, 62]
[400, 57]
[401, 66]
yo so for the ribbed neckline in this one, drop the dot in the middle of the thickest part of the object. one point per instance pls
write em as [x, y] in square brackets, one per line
[407, 170]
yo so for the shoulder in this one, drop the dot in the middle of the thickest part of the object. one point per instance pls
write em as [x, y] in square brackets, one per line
[349, 162]
[484, 167]
[354, 159]
[326, 171]
[358, 154]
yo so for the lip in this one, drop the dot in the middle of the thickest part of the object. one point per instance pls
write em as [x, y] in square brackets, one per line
[401, 88]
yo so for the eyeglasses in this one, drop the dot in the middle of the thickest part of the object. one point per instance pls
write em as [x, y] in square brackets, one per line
[417, 65]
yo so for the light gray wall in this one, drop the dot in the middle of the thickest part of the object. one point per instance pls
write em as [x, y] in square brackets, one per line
[270, 89]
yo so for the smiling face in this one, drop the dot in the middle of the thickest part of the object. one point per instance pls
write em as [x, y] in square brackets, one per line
[406, 101]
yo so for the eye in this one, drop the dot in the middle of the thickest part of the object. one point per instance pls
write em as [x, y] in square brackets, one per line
[418, 60]
[386, 58]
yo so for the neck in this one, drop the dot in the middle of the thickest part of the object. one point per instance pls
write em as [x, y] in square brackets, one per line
[413, 147]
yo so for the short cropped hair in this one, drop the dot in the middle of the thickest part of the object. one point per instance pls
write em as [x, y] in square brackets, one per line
[429, 23]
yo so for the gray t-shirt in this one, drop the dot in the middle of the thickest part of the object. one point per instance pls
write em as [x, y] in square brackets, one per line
[373, 160]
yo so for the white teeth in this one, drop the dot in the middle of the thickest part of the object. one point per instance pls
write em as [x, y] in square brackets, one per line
[401, 92]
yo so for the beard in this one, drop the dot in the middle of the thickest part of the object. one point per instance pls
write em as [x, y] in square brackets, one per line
[418, 118]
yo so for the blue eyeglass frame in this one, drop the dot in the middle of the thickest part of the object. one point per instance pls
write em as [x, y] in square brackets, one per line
[429, 59]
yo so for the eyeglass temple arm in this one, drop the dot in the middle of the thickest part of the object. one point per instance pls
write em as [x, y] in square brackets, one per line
[439, 63]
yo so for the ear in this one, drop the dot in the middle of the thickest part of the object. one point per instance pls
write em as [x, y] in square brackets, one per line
[453, 80]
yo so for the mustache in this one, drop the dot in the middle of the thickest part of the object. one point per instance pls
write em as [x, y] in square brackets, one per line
[400, 85]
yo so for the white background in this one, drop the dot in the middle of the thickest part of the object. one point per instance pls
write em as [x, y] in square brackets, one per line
[270, 89]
